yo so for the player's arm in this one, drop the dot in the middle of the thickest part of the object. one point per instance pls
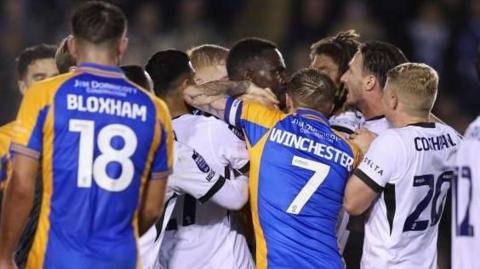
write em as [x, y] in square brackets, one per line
[194, 176]
[17, 204]
[233, 195]
[378, 168]
[212, 97]
[363, 138]
[27, 143]
[358, 196]
[151, 206]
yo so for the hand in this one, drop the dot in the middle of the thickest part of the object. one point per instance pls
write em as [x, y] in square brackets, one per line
[8, 264]
[363, 138]
[261, 95]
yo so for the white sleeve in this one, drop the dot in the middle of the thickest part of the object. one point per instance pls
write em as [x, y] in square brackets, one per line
[381, 162]
[346, 122]
[193, 175]
[233, 195]
[229, 145]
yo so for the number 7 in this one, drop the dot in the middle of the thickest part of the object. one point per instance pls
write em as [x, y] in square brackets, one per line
[321, 171]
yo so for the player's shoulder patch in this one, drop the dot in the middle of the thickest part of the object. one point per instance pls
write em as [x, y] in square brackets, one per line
[200, 162]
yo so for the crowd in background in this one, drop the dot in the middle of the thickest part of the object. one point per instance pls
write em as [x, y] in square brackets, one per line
[441, 33]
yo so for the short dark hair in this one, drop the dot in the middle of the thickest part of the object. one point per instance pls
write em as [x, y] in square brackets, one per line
[380, 57]
[136, 74]
[340, 47]
[63, 58]
[31, 54]
[166, 68]
[98, 22]
[244, 51]
[311, 88]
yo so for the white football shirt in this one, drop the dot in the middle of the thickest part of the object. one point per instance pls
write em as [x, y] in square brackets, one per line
[406, 166]
[377, 124]
[192, 175]
[349, 122]
[207, 233]
[466, 201]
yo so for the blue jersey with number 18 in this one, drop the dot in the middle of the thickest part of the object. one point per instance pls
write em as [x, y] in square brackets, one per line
[298, 170]
[99, 138]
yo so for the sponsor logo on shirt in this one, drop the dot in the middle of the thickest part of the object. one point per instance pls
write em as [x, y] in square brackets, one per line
[201, 163]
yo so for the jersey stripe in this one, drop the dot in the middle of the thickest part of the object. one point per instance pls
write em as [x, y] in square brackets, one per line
[39, 247]
[261, 244]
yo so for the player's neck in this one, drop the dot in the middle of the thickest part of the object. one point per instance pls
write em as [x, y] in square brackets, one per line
[402, 120]
[176, 106]
[371, 109]
[99, 57]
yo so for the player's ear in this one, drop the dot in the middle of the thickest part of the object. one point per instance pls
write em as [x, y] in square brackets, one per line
[391, 99]
[185, 83]
[122, 47]
[22, 86]
[72, 46]
[370, 82]
[289, 103]
[249, 74]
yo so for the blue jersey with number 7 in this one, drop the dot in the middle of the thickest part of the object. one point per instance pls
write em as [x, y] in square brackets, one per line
[99, 138]
[298, 170]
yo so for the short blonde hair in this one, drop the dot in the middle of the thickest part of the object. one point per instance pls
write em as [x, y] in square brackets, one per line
[416, 84]
[207, 55]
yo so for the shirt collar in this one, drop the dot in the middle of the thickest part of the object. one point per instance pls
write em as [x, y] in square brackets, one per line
[312, 114]
[423, 124]
[376, 118]
[100, 67]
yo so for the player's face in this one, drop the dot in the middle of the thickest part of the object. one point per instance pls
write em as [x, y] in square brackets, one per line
[326, 65]
[271, 72]
[353, 78]
[210, 73]
[38, 70]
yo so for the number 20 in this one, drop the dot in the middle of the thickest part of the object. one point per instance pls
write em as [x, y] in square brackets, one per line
[89, 168]
[434, 190]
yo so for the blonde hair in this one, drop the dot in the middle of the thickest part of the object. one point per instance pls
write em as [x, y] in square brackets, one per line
[416, 85]
[207, 55]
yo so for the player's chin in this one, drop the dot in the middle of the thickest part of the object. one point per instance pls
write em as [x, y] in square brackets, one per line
[349, 100]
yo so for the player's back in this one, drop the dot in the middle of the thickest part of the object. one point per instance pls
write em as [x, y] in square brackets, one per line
[100, 137]
[302, 168]
[466, 201]
[402, 228]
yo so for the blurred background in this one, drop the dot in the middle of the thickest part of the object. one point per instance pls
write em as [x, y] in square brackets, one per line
[441, 33]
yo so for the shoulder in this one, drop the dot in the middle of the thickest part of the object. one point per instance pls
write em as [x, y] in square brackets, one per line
[48, 87]
[219, 130]
[391, 140]
[473, 130]
[7, 129]
[378, 125]
[392, 134]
